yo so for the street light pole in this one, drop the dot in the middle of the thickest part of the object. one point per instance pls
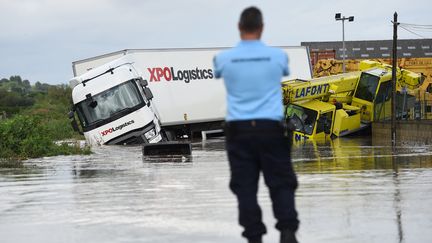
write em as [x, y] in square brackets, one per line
[343, 45]
[350, 19]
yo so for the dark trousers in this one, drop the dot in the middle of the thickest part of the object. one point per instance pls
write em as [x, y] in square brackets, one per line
[254, 146]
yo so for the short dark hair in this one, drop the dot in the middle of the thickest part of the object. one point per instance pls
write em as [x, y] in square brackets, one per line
[251, 19]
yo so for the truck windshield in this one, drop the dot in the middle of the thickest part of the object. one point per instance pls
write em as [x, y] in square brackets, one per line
[110, 104]
[303, 119]
[367, 87]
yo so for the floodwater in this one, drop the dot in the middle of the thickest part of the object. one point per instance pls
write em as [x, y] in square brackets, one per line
[351, 190]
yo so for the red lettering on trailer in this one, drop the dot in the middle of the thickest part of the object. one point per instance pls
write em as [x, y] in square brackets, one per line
[152, 74]
[170, 74]
[167, 74]
[159, 73]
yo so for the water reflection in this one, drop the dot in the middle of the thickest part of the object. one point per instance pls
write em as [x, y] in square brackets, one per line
[397, 205]
[358, 154]
[351, 190]
[369, 184]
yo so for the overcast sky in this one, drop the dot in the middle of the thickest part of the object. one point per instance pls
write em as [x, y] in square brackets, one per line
[39, 39]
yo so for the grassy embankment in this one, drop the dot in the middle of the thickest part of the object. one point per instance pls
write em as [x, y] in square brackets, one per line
[32, 127]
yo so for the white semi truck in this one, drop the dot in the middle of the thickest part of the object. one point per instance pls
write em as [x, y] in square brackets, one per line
[148, 96]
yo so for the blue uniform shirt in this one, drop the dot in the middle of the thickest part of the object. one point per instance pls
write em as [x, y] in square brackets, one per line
[252, 73]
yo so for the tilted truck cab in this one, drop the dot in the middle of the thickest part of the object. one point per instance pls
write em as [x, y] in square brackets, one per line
[114, 106]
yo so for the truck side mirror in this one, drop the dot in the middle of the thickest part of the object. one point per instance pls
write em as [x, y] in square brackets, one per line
[91, 102]
[74, 123]
[143, 82]
[148, 93]
[71, 115]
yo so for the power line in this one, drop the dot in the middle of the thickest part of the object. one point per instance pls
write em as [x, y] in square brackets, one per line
[417, 25]
[414, 28]
[418, 28]
[412, 32]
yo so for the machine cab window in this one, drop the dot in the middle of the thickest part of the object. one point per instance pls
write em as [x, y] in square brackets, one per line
[301, 119]
[367, 87]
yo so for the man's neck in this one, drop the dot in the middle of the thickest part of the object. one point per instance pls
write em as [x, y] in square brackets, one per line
[250, 35]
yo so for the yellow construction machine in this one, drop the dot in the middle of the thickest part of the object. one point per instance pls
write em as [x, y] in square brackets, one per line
[423, 94]
[342, 104]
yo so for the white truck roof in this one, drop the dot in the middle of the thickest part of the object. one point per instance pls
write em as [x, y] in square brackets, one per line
[299, 64]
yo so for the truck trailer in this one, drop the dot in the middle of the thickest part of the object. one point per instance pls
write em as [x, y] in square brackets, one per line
[139, 96]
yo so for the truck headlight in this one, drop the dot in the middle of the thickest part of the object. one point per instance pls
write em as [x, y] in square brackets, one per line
[148, 135]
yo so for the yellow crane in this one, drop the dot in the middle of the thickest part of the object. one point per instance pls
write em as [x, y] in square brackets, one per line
[342, 104]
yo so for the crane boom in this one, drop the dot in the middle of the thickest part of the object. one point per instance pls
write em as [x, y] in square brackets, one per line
[319, 88]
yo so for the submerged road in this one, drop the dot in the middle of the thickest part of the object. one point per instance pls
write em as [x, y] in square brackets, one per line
[351, 190]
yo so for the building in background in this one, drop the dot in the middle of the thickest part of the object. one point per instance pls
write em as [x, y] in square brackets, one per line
[413, 48]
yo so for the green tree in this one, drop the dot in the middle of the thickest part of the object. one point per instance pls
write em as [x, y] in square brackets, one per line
[38, 86]
[27, 86]
[16, 79]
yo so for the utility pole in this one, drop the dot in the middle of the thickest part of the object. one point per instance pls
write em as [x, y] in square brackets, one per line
[394, 66]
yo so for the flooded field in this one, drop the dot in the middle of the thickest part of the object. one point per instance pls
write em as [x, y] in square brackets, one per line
[351, 190]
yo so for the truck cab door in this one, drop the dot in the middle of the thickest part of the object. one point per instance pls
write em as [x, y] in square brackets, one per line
[382, 102]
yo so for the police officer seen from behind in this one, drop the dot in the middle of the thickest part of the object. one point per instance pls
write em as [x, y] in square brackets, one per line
[255, 136]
